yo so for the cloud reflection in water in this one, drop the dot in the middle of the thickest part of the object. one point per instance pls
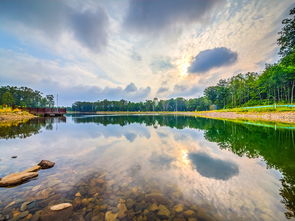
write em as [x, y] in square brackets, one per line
[209, 167]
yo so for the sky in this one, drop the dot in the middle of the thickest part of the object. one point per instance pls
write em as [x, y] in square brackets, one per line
[134, 49]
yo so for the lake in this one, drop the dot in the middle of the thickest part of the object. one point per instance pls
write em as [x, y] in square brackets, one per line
[150, 167]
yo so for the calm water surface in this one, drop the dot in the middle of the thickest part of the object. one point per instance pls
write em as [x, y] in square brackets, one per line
[213, 170]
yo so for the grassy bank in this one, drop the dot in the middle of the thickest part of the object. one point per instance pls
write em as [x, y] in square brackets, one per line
[9, 116]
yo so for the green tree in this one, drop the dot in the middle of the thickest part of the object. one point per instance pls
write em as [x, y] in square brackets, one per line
[287, 35]
[8, 99]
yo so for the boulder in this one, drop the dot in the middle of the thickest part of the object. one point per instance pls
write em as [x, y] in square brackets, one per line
[17, 178]
[46, 164]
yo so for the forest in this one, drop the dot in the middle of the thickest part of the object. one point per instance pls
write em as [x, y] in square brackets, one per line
[274, 85]
[24, 97]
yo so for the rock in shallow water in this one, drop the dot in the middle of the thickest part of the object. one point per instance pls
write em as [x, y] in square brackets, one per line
[17, 178]
[33, 169]
[60, 206]
[46, 164]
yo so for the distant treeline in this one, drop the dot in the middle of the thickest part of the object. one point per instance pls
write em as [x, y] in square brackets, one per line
[24, 97]
[274, 85]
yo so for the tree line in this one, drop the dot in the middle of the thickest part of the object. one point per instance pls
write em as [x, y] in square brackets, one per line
[24, 97]
[276, 84]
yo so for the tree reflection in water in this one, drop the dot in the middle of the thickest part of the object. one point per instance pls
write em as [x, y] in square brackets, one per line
[275, 146]
[29, 128]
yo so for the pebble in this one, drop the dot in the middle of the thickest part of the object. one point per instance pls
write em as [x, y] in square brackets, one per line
[78, 194]
[188, 212]
[109, 216]
[163, 211]
[178, 208]
[61, 206]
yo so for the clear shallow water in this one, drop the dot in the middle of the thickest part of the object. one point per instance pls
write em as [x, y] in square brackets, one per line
[216, 170]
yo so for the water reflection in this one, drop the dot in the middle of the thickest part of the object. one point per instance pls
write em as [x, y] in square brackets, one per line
[27, 129]
[210, 167]
[240, 172]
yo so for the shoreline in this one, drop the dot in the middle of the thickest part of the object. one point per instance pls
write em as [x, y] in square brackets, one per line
[287, 117]
[8, 118]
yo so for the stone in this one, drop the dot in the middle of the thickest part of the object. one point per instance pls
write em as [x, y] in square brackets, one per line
[103, 207]
[46, 164]
[163, 211]
[61, 206]
[122, 209]
[10, 204]
[33, 169]
[29, 217]
[110, 216]
[130, 203]
[154, 207]
[78, 194]
[24, 206]
[178, 208]
[156, 197]
[61, 214]
[17, 178]
[188, 213]
[23, 214]
[13, 157]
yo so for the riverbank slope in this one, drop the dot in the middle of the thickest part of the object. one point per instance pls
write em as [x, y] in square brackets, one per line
[8, 116]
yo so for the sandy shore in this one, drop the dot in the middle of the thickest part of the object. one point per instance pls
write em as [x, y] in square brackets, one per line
[15, 117]
[283, 117]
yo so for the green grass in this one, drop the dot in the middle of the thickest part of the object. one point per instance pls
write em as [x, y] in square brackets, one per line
[264, 109]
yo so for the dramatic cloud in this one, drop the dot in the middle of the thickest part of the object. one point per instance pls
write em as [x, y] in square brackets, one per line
[53, 18]
[181, 90]
[212, 58]
[162, 90]
[90, 28]
[156, 15]
[131, 88]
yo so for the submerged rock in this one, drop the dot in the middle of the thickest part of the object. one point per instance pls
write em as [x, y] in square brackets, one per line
[110, 216]
[163, 211]
[59, 212]
[78, 194]
[17, 178]
[178, 208]
[60, 206]
[46, 164]
[188, 213]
